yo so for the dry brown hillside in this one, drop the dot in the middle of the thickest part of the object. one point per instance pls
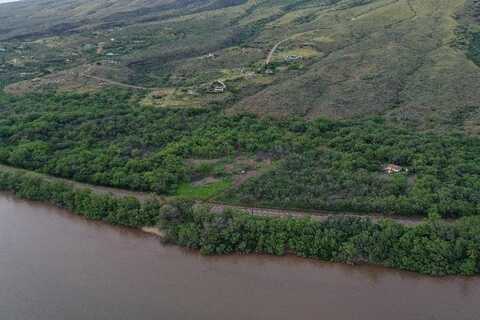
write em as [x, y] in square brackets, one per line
[410, 60]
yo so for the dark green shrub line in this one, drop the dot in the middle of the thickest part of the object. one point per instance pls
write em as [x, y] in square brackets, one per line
[125, 211]
[431, 248]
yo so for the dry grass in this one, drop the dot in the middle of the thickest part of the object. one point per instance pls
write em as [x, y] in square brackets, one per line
[393, 59]
[387, 57]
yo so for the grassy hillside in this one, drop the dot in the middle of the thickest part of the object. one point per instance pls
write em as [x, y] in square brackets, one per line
[413, 61]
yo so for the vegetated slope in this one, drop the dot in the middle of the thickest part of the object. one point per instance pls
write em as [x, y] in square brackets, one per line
[398, 58]
[109, 139]
[393, 57]
[44, 17]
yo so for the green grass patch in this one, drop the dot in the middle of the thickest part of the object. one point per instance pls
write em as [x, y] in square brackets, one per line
[188, 191]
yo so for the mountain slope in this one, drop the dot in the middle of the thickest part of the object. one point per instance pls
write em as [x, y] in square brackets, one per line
[398, 58]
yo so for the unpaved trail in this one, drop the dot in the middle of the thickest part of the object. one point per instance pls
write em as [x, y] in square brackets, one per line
[217, 207]
[115, 83]
[293, 37]
[272, 51]
[315, 215]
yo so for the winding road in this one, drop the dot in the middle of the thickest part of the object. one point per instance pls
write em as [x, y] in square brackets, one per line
[272, 51]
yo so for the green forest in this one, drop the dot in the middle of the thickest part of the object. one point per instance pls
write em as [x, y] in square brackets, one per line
[124, 211]
[434, 247]
[109, 139]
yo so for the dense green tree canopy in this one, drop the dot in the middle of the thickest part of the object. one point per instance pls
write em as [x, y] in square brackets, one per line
[110, 139]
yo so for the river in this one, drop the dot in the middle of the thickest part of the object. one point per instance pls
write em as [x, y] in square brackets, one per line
[55, 265]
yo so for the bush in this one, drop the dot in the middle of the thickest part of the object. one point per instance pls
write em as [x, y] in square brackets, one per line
[125, 211]
[432, 248]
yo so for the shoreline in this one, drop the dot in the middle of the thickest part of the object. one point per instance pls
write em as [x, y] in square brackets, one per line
[155, 232]
[431, 247]
[147, 230]
[124, 260]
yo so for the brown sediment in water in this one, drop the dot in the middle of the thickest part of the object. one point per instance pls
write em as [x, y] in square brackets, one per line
[56, 265]
[154, 230]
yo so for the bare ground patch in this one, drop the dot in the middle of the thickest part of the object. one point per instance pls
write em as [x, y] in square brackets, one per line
[85, 78]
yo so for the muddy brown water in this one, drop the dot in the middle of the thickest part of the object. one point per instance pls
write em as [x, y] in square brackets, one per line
[55, 265]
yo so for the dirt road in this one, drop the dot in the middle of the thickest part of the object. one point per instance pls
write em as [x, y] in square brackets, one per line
[272, 51]
[115, 83]
[315, 215]
[219, 207]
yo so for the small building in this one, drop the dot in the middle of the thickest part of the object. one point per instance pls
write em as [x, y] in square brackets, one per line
[217, 87]
[392, 169]
[293, 58]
